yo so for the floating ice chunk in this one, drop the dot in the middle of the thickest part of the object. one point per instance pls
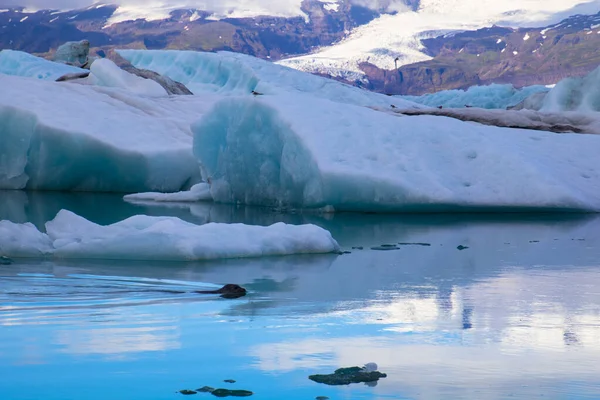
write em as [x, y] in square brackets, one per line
[106, 73]
[296, 151]
[23, 240]
[490, 97]
[160, 238]
[62, 136]
[370, 367]
[19, 63]
[198, 192]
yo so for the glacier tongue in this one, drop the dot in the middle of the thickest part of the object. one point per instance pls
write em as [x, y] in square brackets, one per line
[300, 151]
[160, 238]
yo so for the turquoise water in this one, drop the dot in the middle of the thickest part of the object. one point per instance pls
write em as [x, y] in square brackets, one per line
[515, 315]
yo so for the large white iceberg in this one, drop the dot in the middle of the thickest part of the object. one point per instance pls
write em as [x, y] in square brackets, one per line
[65, 136]
[300, 151]
[24, 64]
[239, 74]
[493, 96]
[159, 238]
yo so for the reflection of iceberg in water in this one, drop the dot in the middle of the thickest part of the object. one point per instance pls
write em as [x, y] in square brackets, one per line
[526, 330]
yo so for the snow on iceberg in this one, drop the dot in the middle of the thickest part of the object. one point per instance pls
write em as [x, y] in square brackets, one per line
[198, 192]
[575, 94]
[106, 73]
[65, 136]
[490, 97]
[237, 74]
[296, 151]
[24, 64]
[160, 238]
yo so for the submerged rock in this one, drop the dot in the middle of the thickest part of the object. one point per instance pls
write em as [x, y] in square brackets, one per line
[74, 53]
[461, 247]
[346, 376]
[232, 393]
[415, 244]
[229, 291]
[5, 260]
[229, 381]
[187, 392]
[321, 398]
[206, 389]
[385, 247]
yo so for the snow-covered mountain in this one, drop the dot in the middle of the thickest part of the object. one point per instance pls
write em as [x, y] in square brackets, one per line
[394, 46]
[391, 41]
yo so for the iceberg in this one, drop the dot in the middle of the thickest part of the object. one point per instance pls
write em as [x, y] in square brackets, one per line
[303, 152]
[239, 74]
[575, 94]
[493, 96]
[19, 63]
[67, 136]
[198, 192]
[106, 73]
[160, 238]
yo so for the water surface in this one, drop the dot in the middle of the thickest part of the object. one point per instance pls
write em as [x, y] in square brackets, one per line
[515, 315]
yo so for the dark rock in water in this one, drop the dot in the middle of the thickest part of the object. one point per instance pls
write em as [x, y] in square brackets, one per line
[187, 392]
[321, 398]
[229, 381]
[5, 260]
[461, 247]
[206, 389]
[357, 248]
[171, 86]
[385, 247]
[344, 252]
[414, 244]
[232, 393]
[73, 53]
[346, 376]
[534, 241]
[229, 291]
[71, 77]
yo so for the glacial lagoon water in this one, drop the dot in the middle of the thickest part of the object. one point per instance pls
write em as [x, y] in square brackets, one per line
[514, 315]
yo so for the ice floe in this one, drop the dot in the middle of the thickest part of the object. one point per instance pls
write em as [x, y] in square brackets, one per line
[198, 192]
[159, 238]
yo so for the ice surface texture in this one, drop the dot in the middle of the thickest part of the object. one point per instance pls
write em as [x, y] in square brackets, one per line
[66, 136]
[160, 238]
[490, 97]
[24, 64]
[299, 151]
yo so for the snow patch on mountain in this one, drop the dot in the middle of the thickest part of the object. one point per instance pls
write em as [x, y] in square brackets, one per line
[391, 41]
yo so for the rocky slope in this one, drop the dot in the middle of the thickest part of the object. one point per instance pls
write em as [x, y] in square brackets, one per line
[497, 55]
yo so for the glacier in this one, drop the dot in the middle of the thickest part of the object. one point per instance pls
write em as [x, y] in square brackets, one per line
[303, 152]
[104, 72]
[159, 238]
[19, 63]
[495, 96]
